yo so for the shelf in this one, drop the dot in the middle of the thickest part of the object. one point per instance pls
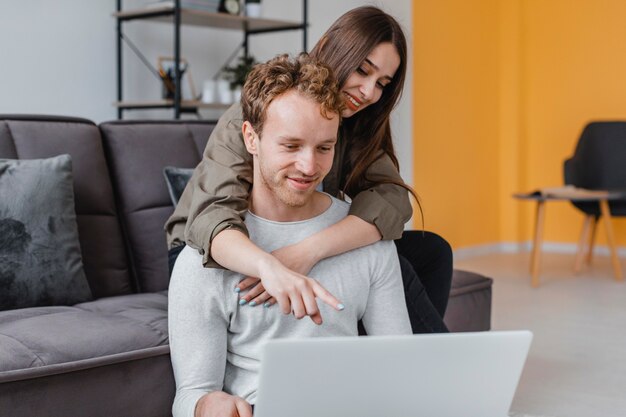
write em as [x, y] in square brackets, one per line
[168, 104]
[171, 13]
[202, 18]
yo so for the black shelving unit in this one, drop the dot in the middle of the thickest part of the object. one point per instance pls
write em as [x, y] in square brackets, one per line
[178, 16]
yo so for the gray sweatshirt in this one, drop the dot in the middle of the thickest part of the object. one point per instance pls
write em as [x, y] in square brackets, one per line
[216, 343]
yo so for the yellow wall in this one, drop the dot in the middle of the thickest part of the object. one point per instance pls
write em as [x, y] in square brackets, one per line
[502, 90]
[455, 123]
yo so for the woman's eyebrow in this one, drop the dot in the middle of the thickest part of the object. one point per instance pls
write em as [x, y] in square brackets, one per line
[371, 63]
[377, 69]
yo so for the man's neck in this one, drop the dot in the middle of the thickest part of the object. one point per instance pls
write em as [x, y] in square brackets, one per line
[270, 208]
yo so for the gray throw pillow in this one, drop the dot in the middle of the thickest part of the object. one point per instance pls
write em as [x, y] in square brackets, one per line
[40, 259]
[176, 180]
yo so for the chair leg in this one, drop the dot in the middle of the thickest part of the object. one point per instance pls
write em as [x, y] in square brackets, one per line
[582, 243]
[606, 215]
[536, 252]
[592, 241]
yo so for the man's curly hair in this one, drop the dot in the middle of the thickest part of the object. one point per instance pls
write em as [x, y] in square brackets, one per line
[283, 73]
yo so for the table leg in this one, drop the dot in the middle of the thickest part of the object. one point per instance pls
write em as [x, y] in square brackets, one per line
[582, 243]
[536, 252]
[606, 215]
[594, 227]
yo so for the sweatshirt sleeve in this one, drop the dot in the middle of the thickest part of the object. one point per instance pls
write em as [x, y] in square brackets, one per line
[386, 312]
[216, 197]
[198, 326]
[387, 206]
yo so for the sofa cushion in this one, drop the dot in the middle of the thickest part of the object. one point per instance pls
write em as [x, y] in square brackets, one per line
[101, 241]
[137, 152]
[40, 259]
[56, 338]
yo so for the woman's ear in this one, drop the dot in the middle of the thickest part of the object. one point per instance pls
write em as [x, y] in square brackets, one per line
[250, 137]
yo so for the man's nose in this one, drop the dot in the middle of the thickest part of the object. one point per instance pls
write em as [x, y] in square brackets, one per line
[306, 162]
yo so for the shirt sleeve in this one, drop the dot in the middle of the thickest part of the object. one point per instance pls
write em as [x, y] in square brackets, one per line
[386, 312]
[216, 197]
[198, 326]
[387, 206]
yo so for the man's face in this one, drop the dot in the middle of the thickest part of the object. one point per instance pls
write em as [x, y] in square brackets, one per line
[295, 151]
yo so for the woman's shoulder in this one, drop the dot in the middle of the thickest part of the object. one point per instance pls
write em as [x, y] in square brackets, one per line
[227, 134]
[231, 119]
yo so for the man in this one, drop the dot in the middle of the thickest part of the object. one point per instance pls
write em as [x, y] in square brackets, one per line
[291, 112]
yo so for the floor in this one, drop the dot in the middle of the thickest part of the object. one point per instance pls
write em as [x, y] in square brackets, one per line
[577, 363]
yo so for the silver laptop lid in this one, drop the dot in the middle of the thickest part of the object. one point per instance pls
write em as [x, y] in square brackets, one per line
[441, 375]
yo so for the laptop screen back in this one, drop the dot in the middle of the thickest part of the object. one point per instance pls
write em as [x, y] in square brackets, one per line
[442, 375]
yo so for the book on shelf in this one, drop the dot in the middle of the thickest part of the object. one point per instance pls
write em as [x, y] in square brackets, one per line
[204, 5]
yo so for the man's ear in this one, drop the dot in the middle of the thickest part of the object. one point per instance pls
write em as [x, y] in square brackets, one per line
[250, 137]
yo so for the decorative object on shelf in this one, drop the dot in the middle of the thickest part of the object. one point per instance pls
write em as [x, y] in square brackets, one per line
[208, 91]
[224, 93]
[236, 75]
[166, 70]
[203, 5]
[253, 8]
[230, 6]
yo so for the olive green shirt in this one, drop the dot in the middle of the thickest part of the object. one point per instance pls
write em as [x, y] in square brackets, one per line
[216, 197]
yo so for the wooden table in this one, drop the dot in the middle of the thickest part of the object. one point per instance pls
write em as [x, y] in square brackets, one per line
[578, 195]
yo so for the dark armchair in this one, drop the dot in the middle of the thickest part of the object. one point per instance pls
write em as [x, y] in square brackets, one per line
[598, 163]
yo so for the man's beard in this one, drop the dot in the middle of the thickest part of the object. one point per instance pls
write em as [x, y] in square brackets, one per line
[277, 185]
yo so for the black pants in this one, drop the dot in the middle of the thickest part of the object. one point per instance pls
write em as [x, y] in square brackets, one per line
[430, 255]
[426, 265]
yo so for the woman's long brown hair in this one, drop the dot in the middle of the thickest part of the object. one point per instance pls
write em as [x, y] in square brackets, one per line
[344, 47]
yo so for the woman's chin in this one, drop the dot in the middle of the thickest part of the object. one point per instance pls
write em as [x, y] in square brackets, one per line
[346, 113]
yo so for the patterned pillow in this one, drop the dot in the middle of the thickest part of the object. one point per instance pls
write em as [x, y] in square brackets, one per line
[176, 179]
[40, 258]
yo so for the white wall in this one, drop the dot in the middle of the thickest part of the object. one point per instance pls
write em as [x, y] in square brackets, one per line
[58, 57]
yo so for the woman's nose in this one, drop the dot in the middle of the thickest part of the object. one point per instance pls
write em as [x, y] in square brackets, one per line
[367, 90]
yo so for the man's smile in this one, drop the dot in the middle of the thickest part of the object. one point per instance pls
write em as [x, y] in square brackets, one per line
[301, 184]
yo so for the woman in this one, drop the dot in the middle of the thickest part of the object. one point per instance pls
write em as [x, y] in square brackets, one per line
[366, 49]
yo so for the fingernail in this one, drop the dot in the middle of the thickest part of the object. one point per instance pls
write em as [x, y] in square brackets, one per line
[340, 306]
[267, 305]
[252, 303]
[242, 302]
[237, 289]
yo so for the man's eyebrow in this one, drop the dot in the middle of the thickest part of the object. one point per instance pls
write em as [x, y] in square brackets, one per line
[377, 69]
[294, 139]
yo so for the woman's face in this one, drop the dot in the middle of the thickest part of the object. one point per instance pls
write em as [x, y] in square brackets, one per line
[365, 86]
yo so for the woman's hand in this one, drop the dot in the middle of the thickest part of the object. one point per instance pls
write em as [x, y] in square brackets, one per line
[294, 292]
[298, 257]
[348, 234]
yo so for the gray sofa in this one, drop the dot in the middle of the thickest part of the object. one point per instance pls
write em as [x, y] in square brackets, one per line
[110, 356]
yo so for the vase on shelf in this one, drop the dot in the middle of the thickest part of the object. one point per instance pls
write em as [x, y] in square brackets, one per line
[253, 8]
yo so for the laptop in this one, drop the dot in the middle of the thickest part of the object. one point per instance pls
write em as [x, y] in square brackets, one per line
[438, 375]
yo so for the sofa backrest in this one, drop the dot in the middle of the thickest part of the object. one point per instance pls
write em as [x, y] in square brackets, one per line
[101, 240]
[137, 152]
